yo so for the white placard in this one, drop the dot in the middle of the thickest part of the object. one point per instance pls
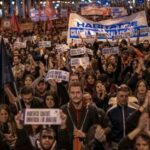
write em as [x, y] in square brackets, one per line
[122, 36]
[42, 117]
[110, 51]
[82, 61]
[20, 44]
[89, 51]
[62, 48]
[45, 44]
[77, 51]
[113, 27]
[145, 30]
[57, 75]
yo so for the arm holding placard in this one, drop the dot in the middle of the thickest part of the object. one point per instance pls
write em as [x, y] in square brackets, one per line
[23, 141]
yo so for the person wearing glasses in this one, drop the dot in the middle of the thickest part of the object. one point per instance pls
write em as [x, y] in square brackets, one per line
[47, 138]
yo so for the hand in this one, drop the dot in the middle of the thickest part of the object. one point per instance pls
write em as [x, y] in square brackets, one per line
[100, 134]
[18, 120]
[143, 121]
[78, 133]
[45, 56]
[63, 117]
[147, 101]
[139, 68]
[147, 128]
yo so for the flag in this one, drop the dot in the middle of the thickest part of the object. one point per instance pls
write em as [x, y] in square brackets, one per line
[5, 67]
[49, 25]
[49, 10]
[14, 23]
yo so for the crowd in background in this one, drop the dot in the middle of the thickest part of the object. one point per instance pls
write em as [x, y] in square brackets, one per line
[104, 106]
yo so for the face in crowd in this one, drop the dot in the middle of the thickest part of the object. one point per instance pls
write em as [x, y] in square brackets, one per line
[74, 78]
[4, 115]
[122, 95]
[47, 139]
[49, 101]
[87, 98]
[75, 93]
[142, 143]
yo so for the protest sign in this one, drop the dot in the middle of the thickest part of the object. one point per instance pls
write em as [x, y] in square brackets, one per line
[44, 44]
[62, 48]
[26, 26]
[117, 12]
[122, 36]
[145, 30]
[77, 51]
[110, 50]
[95, 9]
[57, 75]
[89, 51]
[6, 24]
[42, 117]
[82, 61]
[113, 27]
[20, 44]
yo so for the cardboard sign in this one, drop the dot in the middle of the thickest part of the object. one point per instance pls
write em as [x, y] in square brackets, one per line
[94, 9]
[117, 12]
[82, 61]
[20, 45]
[26, 26]
[77, 51]
[89, 51]
[110, 51]
[122, 36]
[62, 48]
[42, 117]
[57, 75]
[45, 44]
[145, 30]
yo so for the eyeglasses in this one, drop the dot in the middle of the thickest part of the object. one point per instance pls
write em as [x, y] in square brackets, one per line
[46, 136]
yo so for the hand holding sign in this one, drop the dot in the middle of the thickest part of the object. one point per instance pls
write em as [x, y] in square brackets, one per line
[63, 117]
[18, 120]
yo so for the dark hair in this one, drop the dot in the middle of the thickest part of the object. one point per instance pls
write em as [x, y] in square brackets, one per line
[137, 85]
[75, 84]
[30, 131]
[90, 74]
[5, 107]
[30, 76]
[26, 90]
[48, 129]
[123, 88]
[52, 95]
[145, 137]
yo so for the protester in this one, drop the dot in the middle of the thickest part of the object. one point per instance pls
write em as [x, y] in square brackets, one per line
[102, 103]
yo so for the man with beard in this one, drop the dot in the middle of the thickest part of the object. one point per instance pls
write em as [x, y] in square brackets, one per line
[79, 117]
[27, 100]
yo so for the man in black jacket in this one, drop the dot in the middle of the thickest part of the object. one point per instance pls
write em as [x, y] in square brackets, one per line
[118, 116]
[47, 140]
[28, 100]
[80, 117]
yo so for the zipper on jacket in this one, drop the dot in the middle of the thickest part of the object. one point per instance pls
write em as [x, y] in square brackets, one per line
[124, 126]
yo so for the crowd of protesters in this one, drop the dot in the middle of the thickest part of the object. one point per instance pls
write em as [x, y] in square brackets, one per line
[105, 106]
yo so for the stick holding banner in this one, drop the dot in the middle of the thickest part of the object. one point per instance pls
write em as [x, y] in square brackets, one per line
[5, 68]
